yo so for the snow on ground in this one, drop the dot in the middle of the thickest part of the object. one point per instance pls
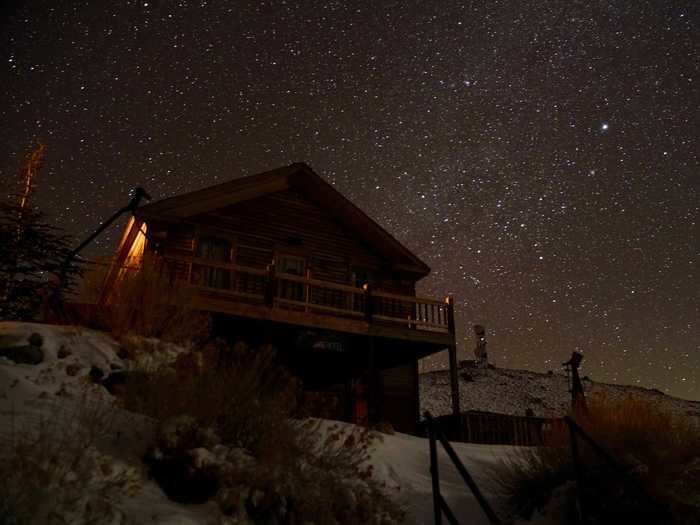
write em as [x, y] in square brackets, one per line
[71, 354]
[56, 387]
[405, 460]
[59, 390]
[513, 392]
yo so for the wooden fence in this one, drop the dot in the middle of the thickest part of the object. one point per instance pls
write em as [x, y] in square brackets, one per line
[494, 429]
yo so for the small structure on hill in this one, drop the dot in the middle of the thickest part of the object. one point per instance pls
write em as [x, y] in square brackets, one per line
[578, 396]
[482, 357]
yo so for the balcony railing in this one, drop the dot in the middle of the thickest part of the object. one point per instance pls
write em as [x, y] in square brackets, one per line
[305, 294]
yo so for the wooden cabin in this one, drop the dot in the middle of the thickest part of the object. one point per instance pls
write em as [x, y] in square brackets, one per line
[283, 257]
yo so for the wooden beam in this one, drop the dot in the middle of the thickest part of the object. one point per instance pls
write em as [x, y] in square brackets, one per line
[372, 390]
[120, 260]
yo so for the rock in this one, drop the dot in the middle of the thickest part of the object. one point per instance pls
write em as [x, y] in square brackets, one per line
[96, 374]
[63, 352]
[36, 339]
[73, 369]
[180, 462]
[114, 382]
[26, 355]
[181, 479]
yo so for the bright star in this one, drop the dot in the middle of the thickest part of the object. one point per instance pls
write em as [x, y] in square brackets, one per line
[604, 126]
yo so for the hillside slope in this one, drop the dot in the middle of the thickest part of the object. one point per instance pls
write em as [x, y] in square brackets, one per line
[57, 391]
[513, 392]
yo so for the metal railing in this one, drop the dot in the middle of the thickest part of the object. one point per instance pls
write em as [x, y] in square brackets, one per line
[578, 435]
[440, 506]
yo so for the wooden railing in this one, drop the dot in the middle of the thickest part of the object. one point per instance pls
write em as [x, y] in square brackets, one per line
[304, 293]
[494, 429]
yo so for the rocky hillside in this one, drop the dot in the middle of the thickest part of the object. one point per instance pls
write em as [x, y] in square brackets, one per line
[515, 391]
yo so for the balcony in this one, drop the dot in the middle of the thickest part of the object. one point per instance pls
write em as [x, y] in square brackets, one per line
[302, 300]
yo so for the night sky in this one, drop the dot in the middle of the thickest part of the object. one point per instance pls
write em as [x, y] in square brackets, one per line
[540, 156]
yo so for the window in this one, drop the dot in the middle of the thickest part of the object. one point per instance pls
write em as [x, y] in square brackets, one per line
[294, 265]
[291, 264]
[360, 277]
[216, 250]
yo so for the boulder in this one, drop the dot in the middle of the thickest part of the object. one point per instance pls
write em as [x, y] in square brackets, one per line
[115, 382]
[96, 374]
[181, 463]
[36, 339]
[26, 355]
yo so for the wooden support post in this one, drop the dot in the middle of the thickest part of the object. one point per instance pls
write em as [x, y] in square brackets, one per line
[454, 381]
[307, 289]
[369, 306]
[578, 470]
[372, 394]
[434, 473]
[270, 288]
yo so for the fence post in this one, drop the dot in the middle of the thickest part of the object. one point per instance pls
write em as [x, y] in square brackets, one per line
[434, 472]
[578, 470]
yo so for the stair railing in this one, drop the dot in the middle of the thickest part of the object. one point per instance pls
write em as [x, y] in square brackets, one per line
[440, 506]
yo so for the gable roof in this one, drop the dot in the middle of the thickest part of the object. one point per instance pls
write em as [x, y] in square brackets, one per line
[298, 176]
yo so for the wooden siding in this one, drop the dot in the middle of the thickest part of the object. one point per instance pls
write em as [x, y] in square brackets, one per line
[400, 396]
[287, 222]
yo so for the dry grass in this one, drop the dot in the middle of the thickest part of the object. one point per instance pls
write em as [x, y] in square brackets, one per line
[653, 450]
[301, 471]
[242, 393]
[149, 301]
[52, 472]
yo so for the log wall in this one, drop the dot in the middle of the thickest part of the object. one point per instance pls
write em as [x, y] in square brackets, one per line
[287, 222]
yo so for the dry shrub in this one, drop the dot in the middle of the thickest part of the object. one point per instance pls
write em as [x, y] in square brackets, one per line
[51, 470]
[658, 457]
[92, 281]
[151, 302]
[240, 392]
[323, 477]
[300, 472]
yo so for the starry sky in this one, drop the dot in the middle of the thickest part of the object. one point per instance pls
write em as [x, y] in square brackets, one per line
[541, 156]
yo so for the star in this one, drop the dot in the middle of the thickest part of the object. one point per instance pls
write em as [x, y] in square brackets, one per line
[543, 154]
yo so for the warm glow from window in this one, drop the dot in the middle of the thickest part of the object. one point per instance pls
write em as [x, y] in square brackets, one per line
[137, 247]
